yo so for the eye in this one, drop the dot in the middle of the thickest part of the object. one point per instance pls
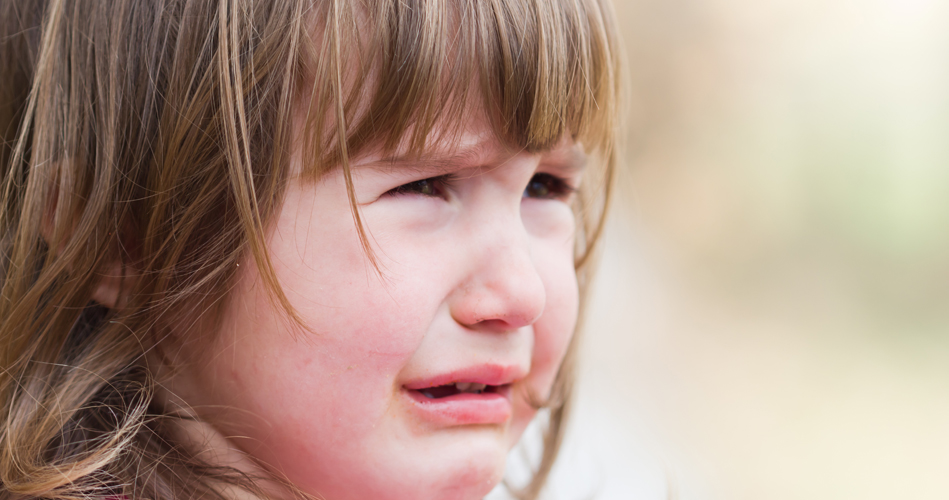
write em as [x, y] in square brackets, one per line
[547, 187]
[432, 186]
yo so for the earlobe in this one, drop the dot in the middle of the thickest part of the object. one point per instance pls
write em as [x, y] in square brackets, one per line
[112, 286]
[115, 277]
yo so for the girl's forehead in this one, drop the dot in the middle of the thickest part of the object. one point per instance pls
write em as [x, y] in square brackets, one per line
[396, 74]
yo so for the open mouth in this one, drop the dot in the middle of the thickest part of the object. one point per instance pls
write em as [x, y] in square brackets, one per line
[462, 403]
[444, 391]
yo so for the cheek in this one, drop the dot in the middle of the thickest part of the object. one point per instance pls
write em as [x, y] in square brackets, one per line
[330, 388]
[356, 330]
[552, 332]
[555, 328]
[348, 305]
[360, 330]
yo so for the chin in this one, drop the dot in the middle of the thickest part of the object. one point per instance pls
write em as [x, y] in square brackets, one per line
[473, 482]
[467, 469]
[456, 464]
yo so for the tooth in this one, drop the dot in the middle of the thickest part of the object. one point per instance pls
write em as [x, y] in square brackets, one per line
[472, 387]
[428, 394]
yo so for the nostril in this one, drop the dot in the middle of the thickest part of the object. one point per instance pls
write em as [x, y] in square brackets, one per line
[492, 324]
[498, 309]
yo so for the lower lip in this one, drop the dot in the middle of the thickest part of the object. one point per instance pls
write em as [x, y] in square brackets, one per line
[465, 408]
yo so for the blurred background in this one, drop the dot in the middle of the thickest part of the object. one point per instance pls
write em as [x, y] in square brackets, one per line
[771, 319]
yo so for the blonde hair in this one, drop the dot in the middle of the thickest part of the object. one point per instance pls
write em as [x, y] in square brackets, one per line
[156, 134]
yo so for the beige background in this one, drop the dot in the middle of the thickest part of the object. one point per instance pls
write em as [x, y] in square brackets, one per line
[771, 318]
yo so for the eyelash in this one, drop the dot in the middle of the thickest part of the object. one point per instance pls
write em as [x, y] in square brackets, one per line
[545, 186]
[437, 185]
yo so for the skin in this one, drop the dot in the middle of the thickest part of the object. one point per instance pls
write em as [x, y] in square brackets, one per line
[474, 273]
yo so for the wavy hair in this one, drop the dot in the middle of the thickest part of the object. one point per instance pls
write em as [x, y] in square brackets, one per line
[156, 134]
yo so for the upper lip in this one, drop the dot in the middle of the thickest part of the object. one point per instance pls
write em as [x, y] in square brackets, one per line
[487, 374]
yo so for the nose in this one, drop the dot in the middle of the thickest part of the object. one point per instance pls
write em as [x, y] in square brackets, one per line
[503, 290]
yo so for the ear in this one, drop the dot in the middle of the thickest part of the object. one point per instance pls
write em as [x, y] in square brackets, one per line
[112, 285]
[114, 279]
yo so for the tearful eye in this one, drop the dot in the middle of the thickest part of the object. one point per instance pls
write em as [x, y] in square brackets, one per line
[547, 187]
[432, 186]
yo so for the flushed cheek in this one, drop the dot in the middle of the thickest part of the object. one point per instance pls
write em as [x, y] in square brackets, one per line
[350, 351]
[555, 328]
[317, 382]
[312, 395]
[553, 227]
[552, 340]
[553, 331]
[349, 306]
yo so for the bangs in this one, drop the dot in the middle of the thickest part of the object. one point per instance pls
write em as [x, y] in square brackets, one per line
[410, 73]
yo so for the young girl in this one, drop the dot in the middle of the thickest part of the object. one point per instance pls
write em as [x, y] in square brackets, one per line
[282, 249]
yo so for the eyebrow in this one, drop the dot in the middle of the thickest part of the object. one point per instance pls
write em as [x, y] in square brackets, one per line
[436, 163]
[568, 162]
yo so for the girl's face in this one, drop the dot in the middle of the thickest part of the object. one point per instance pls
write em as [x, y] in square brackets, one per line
[413, 382]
